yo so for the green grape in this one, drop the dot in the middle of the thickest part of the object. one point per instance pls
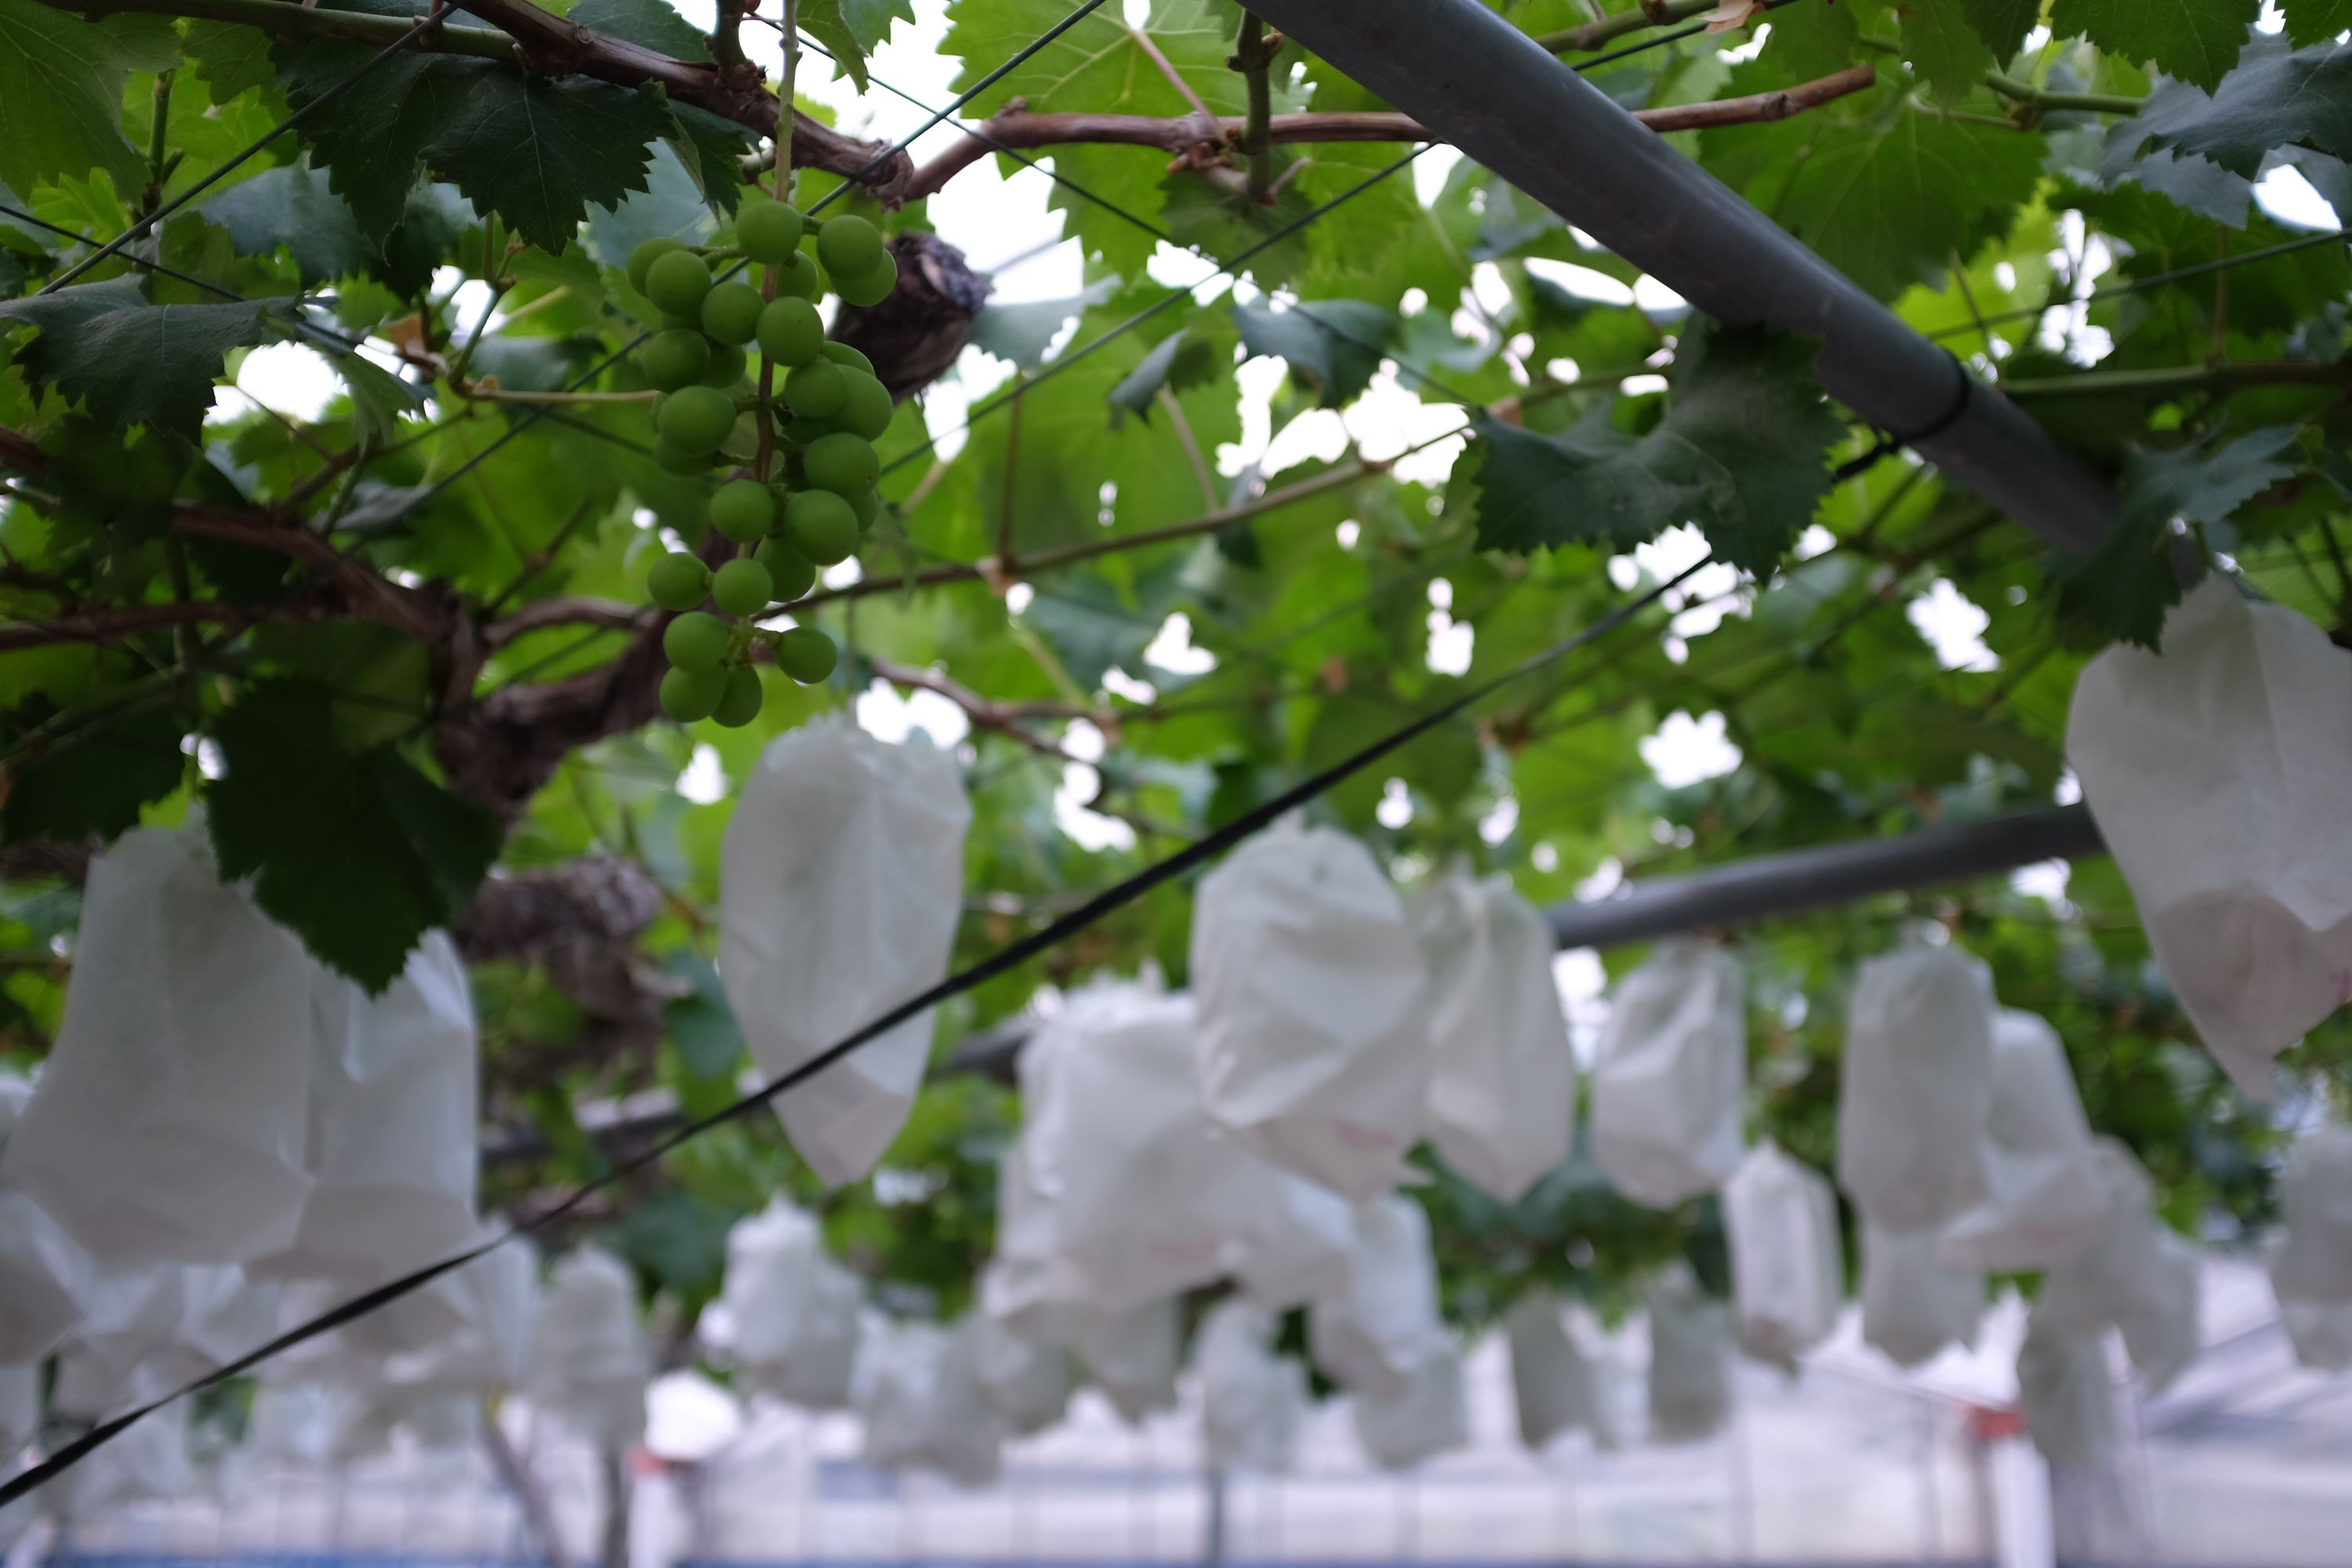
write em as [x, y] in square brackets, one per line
[841, 462]
[644, 256]
[816, 389]
[740, 705]
[726, 367]
[674, 359]
[849, 247]
[790, 574]
[678, 581]
[697, 640]
[742, 587]
[866, 408]
[796, 278]
[807, 655]
[822, 526]
[869, 288]
[679, 459]
[846, 357]
[730, 312]
[697, 418]
[867, 502]
[789, 332]
[743, 511]
[801, 432]
[767, 229]
[691, 321]
[690, 694]
[678, 282]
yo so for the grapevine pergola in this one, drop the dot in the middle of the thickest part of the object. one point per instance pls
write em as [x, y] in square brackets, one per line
[389, 650]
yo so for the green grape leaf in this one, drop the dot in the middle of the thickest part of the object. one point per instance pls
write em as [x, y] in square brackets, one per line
[1022, 334]
[231, 58]
[291, 205]
[61, 99]
[2316, 21]
[2122, 589]
[357, 852]
[535, 151]
[1090, 627]
[852, 29]
[710, 149]
[92, 780]
[652, 23]
[132, 363]
[701, 1024]
[1947, 50]
[1889, 200]
[1741, 452]
[2001, 24]
[2274, 99]
[1140, 388]
[1332, 345]
[2194, 40]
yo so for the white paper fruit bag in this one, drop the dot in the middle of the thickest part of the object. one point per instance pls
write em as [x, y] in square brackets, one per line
[155, 1327]
[793, 1313]
[1553, 1386]
[394, 1133]
[1913, 1303]
[922, 1404]
[2220, 774]
[2314, 1262]
[1298, 1243]
[1690, 1359]
[2066, 1396]
[1252, 1400]
[170, 1124]
[1427, 1416]
[1916, 1088]
[1787, 1269]
[839, 892]
[1027, 1384]
[2137, 1275]
[1372, 1337]
[1147, 1198]
[2043, 1197]
[590, 1360]
[1669, 1082]
[1133, 1358]
[1502, 1085]
[1314, 1029]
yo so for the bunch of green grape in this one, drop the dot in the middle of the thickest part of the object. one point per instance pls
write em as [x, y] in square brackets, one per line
[824, 411]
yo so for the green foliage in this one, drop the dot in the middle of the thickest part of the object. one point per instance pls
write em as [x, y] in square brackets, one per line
[365, 706]
[1739, 451]
[127, 362]
[353, 847]
[2197, 43]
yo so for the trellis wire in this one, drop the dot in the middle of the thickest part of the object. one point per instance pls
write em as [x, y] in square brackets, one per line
[1003, 959]
[2152, 280]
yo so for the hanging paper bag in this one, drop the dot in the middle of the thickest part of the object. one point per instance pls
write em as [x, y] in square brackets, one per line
[1252, 1400]
[1314, 1029]
[2043, 1198]
[1371, 1339]
[1690, 1359]
[842, 879]
[1916, 1088]
[1670, 1075]
[1787, 1267]
[1552, 1385]
[1914, 1303]
[171, 1122]
[1502, 1087]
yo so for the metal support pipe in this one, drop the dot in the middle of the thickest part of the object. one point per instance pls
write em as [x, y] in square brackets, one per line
[1488, 89]
[1833, 874]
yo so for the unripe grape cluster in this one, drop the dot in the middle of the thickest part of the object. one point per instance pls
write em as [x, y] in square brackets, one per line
[824, 411]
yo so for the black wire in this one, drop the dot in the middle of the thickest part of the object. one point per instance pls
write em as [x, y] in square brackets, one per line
[432, 18]
[1003, 959]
